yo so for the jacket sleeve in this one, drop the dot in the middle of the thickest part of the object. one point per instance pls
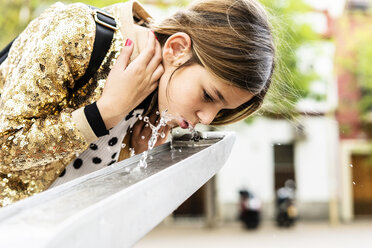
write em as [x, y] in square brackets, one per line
[37, 126]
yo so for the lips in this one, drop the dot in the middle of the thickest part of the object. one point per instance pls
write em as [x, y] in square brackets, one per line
[184, 124]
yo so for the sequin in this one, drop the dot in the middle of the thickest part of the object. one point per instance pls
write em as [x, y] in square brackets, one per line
[38, 138]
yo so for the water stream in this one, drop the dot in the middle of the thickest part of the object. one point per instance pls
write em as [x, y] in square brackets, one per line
[164, 118]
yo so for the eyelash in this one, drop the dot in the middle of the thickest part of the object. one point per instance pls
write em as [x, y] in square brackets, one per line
[207, 97]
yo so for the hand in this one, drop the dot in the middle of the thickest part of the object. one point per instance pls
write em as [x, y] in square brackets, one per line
[128, 85]
[142, 133]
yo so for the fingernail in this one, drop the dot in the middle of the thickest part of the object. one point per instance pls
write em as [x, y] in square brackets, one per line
[128, 42]
[154, 35]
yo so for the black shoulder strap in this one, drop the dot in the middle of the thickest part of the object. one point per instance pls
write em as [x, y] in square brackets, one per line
[105, 28]
[4, 52]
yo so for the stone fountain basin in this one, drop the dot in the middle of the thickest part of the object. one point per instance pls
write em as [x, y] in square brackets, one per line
[118, 205]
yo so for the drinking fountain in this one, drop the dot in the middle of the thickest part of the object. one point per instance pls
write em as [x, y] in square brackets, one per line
[116, 206]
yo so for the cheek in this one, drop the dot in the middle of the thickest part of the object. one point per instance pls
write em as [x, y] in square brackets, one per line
[182, 94]
[183, 100]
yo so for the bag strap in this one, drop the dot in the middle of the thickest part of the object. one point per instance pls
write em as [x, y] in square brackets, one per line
[5, 51]
[105, 28]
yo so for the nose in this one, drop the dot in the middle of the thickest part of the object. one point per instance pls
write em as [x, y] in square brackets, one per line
[206, 116]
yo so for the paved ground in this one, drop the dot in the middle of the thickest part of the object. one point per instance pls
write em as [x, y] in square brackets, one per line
[303, 235]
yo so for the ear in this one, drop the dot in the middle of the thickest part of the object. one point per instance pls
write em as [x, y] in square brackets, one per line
[177, 49]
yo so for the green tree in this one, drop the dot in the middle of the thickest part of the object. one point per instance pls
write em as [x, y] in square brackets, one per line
[363, 72]
[289, 83]
[16, 14]
[356, 60]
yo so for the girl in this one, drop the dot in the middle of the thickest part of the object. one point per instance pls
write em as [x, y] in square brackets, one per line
[211, 63]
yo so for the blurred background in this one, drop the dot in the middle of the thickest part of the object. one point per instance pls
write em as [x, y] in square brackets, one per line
[300, 173]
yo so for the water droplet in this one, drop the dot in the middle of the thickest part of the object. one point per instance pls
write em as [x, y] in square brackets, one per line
[142, 137]
[142, 163]
[180, 150]
[154, 136]
[147, 125]
[351, 165]
[354, 183]
[132, 152]
[123, 145]
[157, 113]
[131, 131]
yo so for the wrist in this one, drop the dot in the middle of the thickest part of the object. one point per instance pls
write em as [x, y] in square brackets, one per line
[109, 114]
[95, 120]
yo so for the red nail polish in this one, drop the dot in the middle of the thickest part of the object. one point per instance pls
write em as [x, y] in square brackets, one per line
[154, 35]
[128, 42]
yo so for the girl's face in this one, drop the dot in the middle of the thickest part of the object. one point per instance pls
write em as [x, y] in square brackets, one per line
[194, 95]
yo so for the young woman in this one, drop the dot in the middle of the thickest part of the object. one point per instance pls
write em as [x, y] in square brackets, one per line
[211, 63]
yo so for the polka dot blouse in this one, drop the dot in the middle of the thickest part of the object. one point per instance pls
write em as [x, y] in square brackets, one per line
[100, 154]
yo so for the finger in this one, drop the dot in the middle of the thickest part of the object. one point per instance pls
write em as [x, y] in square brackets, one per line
[153, 118]
[166, 131]
[156, 59]
[146, 130]
[125, 54]
[157, 73]
[146, 54]
[137, 128]
[153, 86]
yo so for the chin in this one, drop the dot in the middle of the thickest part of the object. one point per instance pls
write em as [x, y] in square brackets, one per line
[173, 124]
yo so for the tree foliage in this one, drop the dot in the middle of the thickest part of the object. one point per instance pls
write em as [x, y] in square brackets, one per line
[16, 14]
[289, 83]
[363, 71]
[356, 59]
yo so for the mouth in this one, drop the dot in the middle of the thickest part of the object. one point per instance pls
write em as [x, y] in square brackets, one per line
[184, 124]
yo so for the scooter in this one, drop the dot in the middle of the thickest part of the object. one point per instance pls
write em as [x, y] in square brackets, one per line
[286, 211]
[250, 208]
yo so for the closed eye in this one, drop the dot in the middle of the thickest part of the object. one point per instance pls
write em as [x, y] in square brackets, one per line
[207, 97]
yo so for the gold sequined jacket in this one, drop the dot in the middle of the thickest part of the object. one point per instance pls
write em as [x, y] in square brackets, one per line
[42, 125]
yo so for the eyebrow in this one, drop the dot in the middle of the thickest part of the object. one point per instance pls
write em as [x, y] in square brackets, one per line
[220, 96]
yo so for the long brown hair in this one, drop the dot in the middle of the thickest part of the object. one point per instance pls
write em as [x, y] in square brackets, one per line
[232, 39]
